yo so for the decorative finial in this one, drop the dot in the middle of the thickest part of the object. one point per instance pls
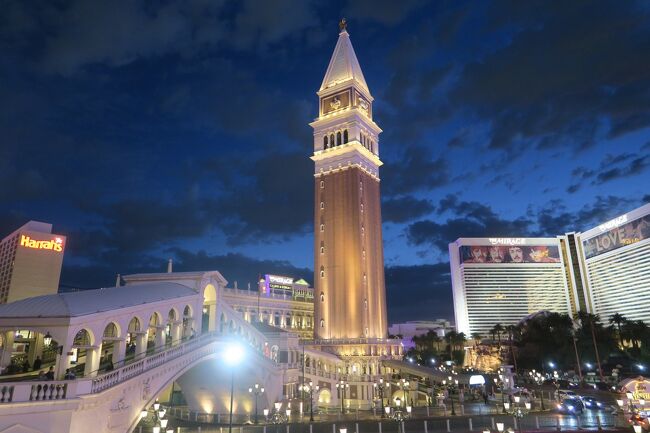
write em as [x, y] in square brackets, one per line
[343, 25]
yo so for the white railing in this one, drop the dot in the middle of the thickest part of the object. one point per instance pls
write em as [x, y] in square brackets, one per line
[254, 294]
[122, 374]
[29, 391]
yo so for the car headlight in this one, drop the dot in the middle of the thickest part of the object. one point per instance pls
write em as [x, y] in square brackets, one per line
[588, 403]
[570, 407]
[599, 404]
[559, 406]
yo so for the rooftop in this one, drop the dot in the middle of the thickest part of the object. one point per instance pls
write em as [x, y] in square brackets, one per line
[75, 304]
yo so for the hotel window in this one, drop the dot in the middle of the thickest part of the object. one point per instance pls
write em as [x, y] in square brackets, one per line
[322, 184]
[361, 185]
[322, 323]
[322, 227]
[322, 271]
[363, 254]
[345, 136]
[325, 142]
[361, 207]
[363, 231]
[322, 296]
[322, 205]
[338, 138]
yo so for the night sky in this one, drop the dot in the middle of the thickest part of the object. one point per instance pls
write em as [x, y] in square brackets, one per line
[148, 130]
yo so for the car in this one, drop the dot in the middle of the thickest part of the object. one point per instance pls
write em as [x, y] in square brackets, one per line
[561, 394]
[570, 406]
[637, 419]
[592, 403]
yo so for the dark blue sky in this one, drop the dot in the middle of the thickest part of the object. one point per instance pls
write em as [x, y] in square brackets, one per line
[145, 130]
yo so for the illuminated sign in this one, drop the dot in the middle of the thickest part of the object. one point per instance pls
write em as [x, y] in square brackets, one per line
[613, 223]
[640, 388]
[55, 244]
[507, 241]
[279, 280]
[510, 253]
[621, 233]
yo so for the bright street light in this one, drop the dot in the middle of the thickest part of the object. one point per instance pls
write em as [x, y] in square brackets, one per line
[232, 354]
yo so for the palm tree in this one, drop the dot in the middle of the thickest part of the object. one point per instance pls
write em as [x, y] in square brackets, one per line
[512, 330]
[498, 329]
[450, 338]
[477, 338]
[618, 319]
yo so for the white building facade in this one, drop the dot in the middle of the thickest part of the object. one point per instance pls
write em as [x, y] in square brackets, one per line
[616, 264]
[502, 280]
[604, 270]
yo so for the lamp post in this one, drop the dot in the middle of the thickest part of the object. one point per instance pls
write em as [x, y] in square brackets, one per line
[158, 418]
[451, 385]
[380, 388]
[404, 386]
[517, 409]
[256, 390]
[310, 389]
[277, 417]
[539, 379]
[342, 386]
[500, 383]
[232, 355]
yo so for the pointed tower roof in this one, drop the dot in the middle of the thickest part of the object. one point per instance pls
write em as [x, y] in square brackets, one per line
[343, 65]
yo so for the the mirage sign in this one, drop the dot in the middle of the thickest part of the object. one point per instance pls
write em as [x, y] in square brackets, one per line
[616, 234]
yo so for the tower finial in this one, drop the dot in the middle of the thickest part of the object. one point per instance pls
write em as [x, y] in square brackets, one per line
[343, 25]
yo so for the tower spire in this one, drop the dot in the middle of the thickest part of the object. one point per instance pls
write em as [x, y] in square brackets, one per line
[344, 66]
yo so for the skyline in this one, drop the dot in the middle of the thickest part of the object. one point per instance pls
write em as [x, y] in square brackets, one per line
[182, 131]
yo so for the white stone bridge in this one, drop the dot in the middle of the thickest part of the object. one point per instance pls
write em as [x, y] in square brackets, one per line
[128, 344]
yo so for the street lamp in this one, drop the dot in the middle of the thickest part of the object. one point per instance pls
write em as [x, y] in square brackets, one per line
[232, 355]
[518, 410]
[380, 387]
[500, 383]
[404, 386]
[342, 386]
[539, 379]
[256, 390]
[158, 419]
[451, 385]
[310, 389]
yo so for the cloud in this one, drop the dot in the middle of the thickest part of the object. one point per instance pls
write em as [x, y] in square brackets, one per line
[403, 209]
[430, 285]
[117, 33]
[473, 220]
[612, 167]
[415, 170]
[563, 70]
[386, 12]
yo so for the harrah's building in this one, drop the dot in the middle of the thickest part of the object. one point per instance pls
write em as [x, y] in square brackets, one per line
[30, 262]
[604, 270]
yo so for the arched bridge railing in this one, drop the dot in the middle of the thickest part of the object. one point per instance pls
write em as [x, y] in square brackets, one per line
[25, 392]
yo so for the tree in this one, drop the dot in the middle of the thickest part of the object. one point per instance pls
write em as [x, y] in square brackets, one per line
[618, 319]
[498, 329]
[477, 338]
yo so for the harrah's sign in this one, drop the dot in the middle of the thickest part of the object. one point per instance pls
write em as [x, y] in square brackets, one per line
[55, 244]
[507, 241]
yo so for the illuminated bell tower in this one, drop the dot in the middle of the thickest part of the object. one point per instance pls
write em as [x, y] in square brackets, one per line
[349, 296]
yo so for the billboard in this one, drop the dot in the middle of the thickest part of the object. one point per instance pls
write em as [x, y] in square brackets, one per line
[616, 234]
[511, 252]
